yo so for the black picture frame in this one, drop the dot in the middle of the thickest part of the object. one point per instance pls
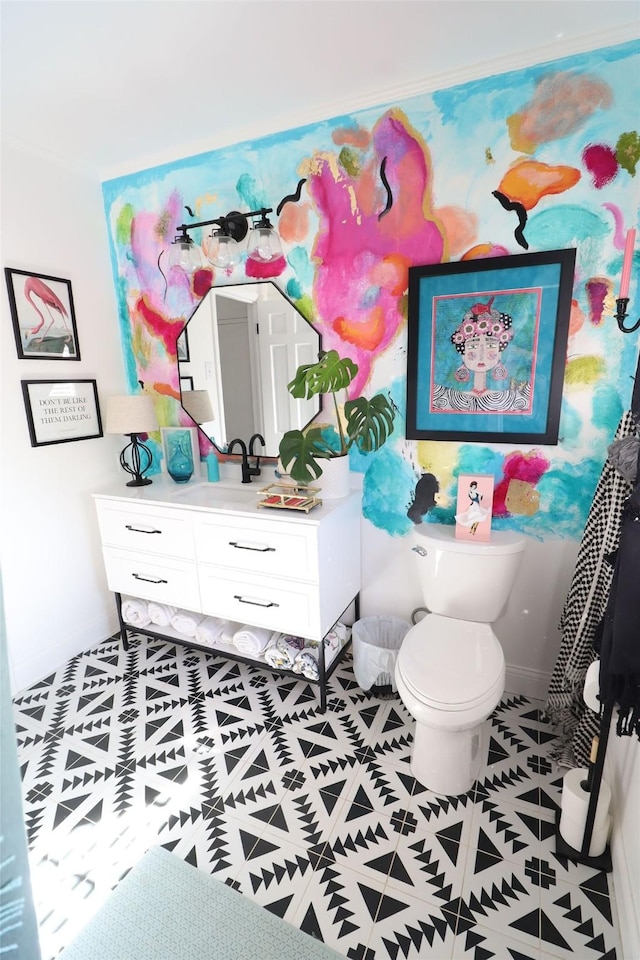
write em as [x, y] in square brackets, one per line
[43, 315]
[186, 383]
[60, 411]
[463, 318]
[182, 347]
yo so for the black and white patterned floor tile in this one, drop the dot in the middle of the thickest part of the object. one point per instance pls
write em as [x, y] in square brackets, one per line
[314, 816]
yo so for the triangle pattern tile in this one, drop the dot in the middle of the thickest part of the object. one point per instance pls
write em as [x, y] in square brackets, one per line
[314, 816]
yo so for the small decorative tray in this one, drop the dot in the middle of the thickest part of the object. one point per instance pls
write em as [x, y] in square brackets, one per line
[289, 496]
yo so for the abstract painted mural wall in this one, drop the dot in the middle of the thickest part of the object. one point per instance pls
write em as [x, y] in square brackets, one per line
[540, 159]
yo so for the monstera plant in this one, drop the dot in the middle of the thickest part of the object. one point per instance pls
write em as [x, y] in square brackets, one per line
[367, 423]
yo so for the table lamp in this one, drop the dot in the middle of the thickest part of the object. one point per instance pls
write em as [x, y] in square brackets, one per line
[133, 415]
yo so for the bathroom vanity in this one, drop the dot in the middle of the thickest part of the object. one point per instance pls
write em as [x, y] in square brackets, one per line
[208, 548]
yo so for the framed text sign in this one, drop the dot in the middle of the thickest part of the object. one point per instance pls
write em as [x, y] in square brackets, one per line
[59, 411]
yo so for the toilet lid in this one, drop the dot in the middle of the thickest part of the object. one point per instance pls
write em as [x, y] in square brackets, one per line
[450, 662]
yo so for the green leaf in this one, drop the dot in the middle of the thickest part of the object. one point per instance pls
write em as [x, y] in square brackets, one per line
[327, 375]
[299, 452]
[369, 422]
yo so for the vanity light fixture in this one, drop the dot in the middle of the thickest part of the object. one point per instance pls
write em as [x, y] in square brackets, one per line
[133, 415]
[222, 247]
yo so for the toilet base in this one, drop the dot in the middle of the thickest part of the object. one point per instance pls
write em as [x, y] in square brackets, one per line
[446, 762]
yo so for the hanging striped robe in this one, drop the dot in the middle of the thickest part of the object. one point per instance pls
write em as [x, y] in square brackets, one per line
[583, 613]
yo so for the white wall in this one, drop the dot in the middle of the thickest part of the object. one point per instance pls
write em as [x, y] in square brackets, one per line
[55, 596]
[622, 773]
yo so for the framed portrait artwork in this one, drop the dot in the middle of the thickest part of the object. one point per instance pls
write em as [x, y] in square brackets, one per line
[487, 342]
[59, 411]
[44, 320]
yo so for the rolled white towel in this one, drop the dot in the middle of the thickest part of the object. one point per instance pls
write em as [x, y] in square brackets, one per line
[135, 612]
[209, 631]
[229, 630]
[161, 613]
[252, 641]
[186, 622]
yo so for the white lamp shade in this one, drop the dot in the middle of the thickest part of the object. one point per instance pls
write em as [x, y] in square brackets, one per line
[197, 403]
[134, 414]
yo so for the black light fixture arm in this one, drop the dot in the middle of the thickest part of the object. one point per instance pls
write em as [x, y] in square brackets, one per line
[235, 222]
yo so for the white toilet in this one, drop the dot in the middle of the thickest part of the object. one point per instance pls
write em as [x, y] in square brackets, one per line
[450, 667]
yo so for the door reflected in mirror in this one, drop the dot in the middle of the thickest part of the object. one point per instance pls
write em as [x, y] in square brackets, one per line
[245, 344]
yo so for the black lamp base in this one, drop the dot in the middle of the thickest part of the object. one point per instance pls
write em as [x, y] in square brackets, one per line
[135, 459]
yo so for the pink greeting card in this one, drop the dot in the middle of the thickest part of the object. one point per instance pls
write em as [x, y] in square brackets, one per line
[474, 506]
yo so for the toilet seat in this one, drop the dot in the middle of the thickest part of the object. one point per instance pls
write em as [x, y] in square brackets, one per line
[449, 664]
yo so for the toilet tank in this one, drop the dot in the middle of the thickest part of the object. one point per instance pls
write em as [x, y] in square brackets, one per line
[465, 579]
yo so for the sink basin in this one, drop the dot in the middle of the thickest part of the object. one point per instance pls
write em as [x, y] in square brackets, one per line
[217, 493]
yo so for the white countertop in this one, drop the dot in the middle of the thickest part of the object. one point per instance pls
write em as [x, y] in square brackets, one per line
[228, 496]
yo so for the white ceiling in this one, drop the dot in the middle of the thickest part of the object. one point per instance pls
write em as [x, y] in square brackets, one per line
[111, 86]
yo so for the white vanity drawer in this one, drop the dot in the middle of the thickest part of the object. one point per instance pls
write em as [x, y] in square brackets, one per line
[266, 547]
[151, 578]
[145, 528]
[279, 605]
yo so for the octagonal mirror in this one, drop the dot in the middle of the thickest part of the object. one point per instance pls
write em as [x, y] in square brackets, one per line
[239, 350]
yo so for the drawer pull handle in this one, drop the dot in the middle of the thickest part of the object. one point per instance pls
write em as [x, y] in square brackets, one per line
[147, 579]
[140, 529]
[246, 546]
[255, 603]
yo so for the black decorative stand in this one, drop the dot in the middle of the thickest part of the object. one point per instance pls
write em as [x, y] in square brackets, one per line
[603, 862]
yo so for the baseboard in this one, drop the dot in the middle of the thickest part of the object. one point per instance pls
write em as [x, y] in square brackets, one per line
[60, 649]
[624, 886]
[620, 771]
[527, 683]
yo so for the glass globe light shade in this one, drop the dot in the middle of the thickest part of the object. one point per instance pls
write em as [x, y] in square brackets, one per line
[264, 243]
[184, 253]
[222, 251]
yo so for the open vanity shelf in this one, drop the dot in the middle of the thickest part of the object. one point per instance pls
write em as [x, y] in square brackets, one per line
[230, 652]
[207, 548]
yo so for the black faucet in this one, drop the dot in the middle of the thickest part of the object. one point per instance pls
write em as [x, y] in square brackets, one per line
[247, 470]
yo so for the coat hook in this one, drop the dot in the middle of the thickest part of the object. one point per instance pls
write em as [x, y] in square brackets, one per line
[621, 313]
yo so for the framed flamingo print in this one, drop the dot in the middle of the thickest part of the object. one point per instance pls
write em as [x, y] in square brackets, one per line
[487, 346]
[44, 320]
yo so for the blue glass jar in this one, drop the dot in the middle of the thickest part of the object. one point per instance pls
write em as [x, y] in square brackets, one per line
[180, 459]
